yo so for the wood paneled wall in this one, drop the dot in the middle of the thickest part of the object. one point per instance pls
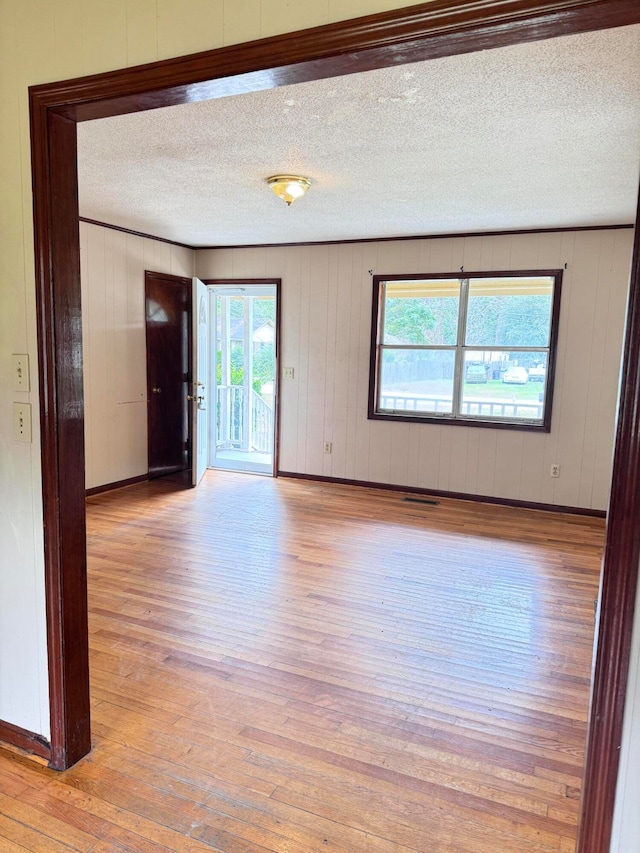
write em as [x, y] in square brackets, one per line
[113, 320]
[326, 302]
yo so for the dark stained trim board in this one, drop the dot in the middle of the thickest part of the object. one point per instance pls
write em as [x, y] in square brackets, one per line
[220, 282]
[458, 496]
[23, 739]
[59, 320]
[278, 396]
[451, 236]
[134, 233]
[120, 484]
[161, 276]
[447, 236]
[424, 31]
[617, 596]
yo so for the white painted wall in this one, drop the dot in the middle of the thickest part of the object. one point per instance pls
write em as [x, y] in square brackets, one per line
[326, 322]
[47, 41]
[626, 824]
[112, 268]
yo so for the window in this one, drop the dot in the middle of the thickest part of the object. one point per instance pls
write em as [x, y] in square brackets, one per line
[465, 348]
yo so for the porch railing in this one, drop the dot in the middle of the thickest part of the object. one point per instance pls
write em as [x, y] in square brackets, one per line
[261, 424]
[232, 430]
[527, 410]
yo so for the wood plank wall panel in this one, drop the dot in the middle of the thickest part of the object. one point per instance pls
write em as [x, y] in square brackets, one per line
[616, 307]
[325, 337]
[112, 275]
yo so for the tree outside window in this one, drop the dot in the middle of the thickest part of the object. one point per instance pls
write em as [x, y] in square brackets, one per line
[477, 348]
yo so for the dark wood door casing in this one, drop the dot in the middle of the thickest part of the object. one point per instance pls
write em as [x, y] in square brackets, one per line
[63, 469]
[420, 32]
[169, 346]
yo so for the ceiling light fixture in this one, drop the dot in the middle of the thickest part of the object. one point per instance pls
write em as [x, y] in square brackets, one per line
[289, 187]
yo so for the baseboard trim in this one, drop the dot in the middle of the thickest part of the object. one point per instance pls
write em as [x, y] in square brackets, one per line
[120, 484]
[26, 740]
[459, 496]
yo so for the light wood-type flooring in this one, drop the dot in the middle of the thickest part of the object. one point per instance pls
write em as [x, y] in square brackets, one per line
[288, 666]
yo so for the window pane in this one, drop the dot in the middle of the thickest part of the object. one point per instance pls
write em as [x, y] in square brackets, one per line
[423, 313]
[507, 312]
[417, 380]
[510, 385]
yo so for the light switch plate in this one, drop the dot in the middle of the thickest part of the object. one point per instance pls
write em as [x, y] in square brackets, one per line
[20, 372]
[288, 372]
[22, 422]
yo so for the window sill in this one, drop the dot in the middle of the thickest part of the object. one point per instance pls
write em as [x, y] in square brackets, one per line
[449, 420]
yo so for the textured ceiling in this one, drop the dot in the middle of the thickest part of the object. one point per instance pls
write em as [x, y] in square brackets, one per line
[537, 135]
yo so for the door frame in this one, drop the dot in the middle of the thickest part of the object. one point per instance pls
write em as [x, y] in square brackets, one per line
[277, 283]
[150, 275]
[425, 31]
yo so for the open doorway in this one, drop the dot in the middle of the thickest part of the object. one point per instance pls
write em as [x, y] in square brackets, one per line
[244, 370]
[51, 127]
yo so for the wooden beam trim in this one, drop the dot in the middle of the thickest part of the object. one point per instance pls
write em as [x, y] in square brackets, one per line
[135, 233]
[119, 484]
[445, 236]
[425, 31]
[617, 599]
[458, 496]
[61, 417]
[25, 740]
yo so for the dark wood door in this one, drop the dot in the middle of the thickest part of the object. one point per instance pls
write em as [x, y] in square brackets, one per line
[168, 319]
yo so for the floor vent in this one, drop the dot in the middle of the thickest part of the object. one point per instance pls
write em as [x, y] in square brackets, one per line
[421, 501]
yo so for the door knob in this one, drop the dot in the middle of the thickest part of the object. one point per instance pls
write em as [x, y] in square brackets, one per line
[157, 390]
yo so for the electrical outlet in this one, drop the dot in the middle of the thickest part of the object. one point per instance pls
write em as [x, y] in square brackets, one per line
[328, 447]
[555, 470]
[22, 422]
[20, 366]
[288, 372]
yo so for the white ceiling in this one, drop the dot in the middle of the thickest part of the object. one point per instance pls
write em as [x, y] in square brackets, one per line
[533, 136]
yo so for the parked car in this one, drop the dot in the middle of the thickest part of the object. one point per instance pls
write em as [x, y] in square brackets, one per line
[538, 373]
[516, 376]
[476, 373]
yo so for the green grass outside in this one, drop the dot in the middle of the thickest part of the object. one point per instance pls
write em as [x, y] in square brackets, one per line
[493, 390]
[497, 390]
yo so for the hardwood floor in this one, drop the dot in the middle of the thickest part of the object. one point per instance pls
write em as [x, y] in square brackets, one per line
[288, 666]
